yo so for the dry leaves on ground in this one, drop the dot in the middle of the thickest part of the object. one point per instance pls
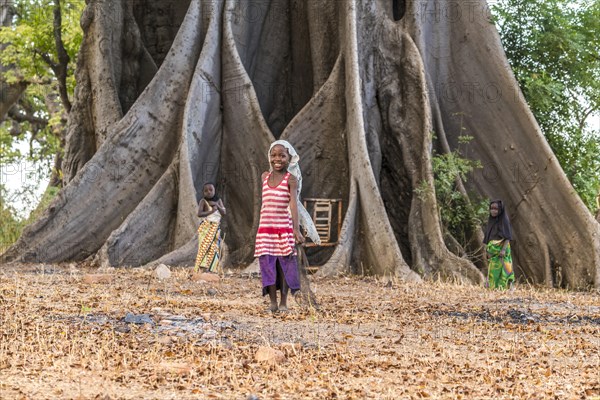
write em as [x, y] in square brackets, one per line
[134, 336]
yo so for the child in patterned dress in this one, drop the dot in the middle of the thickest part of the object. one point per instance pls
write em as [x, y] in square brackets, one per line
[210, 209]
[279, 228]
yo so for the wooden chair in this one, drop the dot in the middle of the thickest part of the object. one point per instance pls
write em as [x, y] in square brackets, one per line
[322, 215]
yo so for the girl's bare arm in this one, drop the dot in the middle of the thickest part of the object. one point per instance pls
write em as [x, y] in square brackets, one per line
[221, 207]
[294, 208]
[202, 209]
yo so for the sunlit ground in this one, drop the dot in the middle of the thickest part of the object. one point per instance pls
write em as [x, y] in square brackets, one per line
[64, 338]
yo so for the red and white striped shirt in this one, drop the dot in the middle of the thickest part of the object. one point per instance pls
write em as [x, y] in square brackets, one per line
[275, 234]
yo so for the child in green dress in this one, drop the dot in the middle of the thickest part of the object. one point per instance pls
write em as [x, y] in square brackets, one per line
[498, 234]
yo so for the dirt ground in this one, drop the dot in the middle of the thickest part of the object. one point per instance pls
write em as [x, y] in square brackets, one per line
[136, 337]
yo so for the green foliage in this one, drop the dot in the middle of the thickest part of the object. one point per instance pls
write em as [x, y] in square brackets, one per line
[84, 310]
[461, 216]
[554, 51]
[458, 215]
[11, 223]
[28, 53]
[32, 36]
[27, 47]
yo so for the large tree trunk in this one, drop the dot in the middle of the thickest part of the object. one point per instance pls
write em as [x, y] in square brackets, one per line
[358, 86]
[555, 233]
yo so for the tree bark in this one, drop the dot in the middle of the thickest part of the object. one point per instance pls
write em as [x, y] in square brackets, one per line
[60, 68]
[358, 87]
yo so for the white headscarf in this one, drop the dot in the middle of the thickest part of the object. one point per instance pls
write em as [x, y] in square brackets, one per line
[293, 168]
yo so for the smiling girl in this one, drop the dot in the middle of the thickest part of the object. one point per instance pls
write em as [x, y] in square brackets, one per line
[279, 226]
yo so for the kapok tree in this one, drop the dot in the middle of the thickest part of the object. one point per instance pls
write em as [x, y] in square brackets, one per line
[174, 93]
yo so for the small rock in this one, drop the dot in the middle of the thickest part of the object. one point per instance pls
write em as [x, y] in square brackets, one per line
[205, 277]
[162, 272]
[138, 319]
[211, 292]
[269, 355]
[90, 279]
[252, 397]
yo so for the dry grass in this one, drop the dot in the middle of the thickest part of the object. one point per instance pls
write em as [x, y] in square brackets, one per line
[61, 338]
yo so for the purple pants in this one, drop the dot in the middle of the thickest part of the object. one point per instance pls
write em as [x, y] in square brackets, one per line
[269, 272]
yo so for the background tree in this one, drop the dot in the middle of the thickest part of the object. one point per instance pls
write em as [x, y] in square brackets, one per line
[175, 93]
[553, 49]
[39, 40]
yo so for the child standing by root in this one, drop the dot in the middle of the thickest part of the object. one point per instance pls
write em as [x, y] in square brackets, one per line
[498, 234]
[210, 209]
[279, 228]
